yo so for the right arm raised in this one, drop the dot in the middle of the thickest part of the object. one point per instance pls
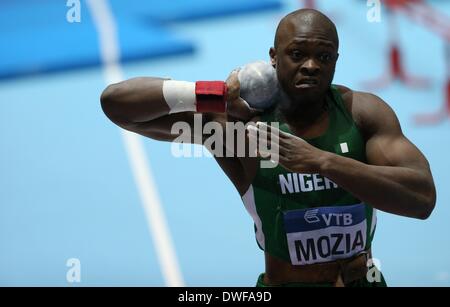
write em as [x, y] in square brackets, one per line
[138, 105]
[134, 100]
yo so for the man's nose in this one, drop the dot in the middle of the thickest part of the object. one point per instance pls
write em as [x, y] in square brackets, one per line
[310, 68]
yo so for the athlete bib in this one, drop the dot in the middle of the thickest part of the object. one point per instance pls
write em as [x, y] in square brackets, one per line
[325, 234]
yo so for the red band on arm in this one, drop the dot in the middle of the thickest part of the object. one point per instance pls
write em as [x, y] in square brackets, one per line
[211, 96]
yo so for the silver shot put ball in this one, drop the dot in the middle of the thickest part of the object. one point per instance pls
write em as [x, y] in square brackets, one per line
[258, 84]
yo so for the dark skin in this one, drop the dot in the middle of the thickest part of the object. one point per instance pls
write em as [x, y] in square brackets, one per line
[397, 178]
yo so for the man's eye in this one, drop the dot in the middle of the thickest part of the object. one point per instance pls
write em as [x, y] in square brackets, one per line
[325, 57]
[296, 54]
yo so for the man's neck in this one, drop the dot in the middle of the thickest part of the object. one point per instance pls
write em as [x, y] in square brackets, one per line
[301, 116]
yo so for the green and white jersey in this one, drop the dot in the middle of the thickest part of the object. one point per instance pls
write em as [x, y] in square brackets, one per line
[307, 218]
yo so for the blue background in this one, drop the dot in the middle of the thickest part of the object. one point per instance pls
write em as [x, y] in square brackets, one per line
[67, 190]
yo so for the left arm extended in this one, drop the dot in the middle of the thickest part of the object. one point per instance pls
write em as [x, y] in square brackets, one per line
[397, 178]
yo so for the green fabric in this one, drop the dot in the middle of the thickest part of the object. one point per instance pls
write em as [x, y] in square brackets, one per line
[271, 203]
[363, 282]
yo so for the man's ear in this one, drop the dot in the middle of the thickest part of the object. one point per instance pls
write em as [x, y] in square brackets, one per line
[273, 57]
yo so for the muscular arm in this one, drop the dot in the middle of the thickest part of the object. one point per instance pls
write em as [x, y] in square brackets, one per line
[397, 178]
[138, 105]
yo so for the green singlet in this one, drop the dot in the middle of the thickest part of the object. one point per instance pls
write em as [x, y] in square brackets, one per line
[307, 218]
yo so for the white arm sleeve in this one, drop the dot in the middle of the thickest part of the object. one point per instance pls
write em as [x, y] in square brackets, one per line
[179, 96]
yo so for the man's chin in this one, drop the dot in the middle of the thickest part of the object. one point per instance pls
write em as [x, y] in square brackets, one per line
[300, 97]
[306, 97]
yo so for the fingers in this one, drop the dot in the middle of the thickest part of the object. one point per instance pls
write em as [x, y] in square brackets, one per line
[252, 112]
[233, 86]
[236, 70]
[271, 139]
[283, 148]
[252, 134]
[240, 109]
[273, 130]
[233, 74]
[267, 133]
[233, 77]
[270, 135]
[262, 143]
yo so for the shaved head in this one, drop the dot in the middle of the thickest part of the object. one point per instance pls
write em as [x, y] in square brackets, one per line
[306, 18]
[304, 55]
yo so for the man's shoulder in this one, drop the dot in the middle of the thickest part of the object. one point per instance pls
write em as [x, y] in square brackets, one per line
[351, 96]
[367, 109]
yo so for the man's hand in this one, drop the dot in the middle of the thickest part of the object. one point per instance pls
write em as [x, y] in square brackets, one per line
[238, 108]
[292, 152]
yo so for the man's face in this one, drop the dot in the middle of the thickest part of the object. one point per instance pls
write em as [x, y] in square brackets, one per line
[305, 59]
